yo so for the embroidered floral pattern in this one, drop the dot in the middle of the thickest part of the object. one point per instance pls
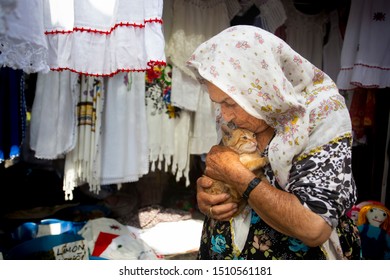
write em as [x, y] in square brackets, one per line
[318, 76]
[158, 82]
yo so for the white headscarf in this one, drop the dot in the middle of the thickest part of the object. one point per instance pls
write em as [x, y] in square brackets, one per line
[272, 82]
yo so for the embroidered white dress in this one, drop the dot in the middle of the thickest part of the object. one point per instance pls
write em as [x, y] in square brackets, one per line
[104, 37]
[305, 33]
[365, 56]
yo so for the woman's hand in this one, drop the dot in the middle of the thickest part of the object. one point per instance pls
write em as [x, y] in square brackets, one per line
[219, 210]
[223, 164]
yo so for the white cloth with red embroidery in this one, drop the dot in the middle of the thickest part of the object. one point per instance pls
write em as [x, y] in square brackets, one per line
[104, 37]
[365, 56]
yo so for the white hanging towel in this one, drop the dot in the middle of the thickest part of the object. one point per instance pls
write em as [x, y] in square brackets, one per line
[53, 115]
[82, 164]
[124, 150]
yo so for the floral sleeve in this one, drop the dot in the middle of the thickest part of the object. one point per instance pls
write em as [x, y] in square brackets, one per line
[323, 181]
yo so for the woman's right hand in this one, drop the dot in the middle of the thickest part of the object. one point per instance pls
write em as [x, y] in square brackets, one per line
[219, 210]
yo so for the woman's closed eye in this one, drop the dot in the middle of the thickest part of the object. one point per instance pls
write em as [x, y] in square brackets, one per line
[228, 103]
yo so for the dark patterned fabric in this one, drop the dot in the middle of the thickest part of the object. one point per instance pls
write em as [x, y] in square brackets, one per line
[323, 182]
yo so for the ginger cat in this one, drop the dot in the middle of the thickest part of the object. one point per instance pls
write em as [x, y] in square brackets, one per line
[244, 143]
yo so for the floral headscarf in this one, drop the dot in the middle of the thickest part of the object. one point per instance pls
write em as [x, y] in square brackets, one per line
[272, 82]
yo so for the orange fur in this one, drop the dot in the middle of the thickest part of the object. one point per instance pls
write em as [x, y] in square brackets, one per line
[244, 143]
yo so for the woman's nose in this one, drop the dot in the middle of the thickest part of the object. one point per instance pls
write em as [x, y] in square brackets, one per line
[227, 114]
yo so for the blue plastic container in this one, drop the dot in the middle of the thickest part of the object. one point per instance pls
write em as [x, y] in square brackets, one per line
[40, 248]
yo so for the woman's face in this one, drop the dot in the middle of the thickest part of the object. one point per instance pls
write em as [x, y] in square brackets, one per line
[232, 112]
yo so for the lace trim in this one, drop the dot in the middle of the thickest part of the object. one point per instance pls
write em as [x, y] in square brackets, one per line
[25, 56]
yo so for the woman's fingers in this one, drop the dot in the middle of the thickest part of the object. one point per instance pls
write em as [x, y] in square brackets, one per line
[222, 212]
[206, 200]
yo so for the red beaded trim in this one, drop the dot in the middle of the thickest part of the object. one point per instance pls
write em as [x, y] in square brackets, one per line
[120, 24]
[365, 65]
[150, 64]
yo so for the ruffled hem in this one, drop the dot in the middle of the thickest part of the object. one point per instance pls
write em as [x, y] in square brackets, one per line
[364, 76]
[124, 48]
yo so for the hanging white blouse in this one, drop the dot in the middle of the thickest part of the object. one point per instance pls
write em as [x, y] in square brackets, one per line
[272, 12]
[365, 56]
[305, 32]
[22, 40]
[104, 37]
[195, 21]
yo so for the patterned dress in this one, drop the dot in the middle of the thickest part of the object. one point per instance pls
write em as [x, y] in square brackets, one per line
[316, 179]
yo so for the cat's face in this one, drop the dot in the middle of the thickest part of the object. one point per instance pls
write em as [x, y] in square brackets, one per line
[241, 140]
